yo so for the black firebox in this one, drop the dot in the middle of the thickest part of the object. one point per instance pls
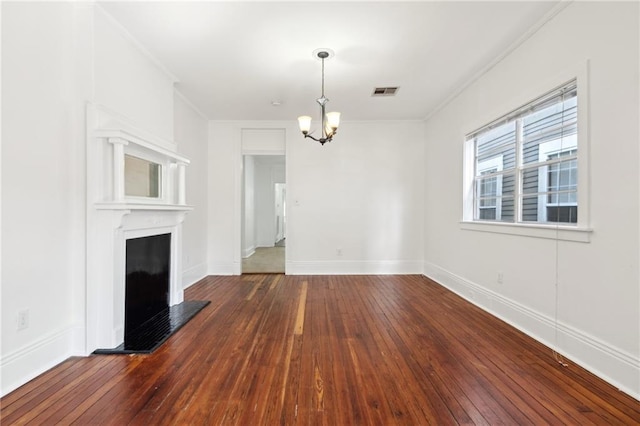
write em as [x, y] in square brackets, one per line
[147, 280]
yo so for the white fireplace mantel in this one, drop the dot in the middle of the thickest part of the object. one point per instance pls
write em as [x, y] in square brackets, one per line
[113, 217]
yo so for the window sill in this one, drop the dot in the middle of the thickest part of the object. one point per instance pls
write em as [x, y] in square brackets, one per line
[563, 233]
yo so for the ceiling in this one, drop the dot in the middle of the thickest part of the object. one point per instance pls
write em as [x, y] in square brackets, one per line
[233, 59]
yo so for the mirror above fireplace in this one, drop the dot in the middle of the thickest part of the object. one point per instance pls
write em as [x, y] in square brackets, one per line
[142, 178]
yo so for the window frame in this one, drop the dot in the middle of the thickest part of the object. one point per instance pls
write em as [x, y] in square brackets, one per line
[579, 231]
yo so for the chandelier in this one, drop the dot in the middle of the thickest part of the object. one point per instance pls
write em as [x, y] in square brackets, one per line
[330, 120]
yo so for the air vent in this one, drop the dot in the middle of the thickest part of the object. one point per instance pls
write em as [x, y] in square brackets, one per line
[385, 91]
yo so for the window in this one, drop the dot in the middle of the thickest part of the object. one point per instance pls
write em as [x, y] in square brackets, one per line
[525, 165]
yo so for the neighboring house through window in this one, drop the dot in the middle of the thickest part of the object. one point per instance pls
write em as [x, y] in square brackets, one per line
[526, 163]
[490, 189]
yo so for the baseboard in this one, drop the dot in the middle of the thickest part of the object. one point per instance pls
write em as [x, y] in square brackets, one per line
[223, 268]
[248, 252]
[193, 274]
[28, 362]
[347, 267]
[613, 365]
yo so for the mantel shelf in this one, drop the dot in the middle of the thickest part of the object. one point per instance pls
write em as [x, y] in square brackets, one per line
[143, 206]
[131, 137]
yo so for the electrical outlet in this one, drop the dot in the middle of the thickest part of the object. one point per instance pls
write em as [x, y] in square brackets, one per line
[500, 277]
[23, 319]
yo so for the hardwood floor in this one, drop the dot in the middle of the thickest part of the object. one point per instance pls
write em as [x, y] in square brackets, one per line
[333, 350]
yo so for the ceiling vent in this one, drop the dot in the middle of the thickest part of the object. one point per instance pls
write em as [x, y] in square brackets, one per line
[385, 91]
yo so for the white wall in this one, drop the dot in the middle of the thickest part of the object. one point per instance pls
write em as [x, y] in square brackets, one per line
[129, 81]
[248, 208]
[361, 193]
[45, 80]
[598, 292]
[267, 175]
[224, 184]
[191, 137]
[56, 57]
[280, 201]
[356, 204]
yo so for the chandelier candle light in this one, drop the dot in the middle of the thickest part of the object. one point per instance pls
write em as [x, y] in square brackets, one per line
[330, 120]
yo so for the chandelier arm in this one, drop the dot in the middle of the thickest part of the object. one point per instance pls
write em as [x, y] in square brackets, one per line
[321, 140]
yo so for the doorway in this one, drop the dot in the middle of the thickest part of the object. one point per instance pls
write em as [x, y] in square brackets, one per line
[263, 214]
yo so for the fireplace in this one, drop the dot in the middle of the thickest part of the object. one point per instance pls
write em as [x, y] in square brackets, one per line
[152, 303]
[136, 189]
[147, 264]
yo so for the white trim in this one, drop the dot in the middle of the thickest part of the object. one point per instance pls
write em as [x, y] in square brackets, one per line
[293, 124]
[223, 268]
[191, 105]
[238, 190]
[281, 153]
[141, 48]
[142, 206]
[2, 374]
[107, 118]
[613, 365]
[28, 362]
[355, 267]
[248, 252]
[192, 275]
[136, 138]
[515, 45]
[562, 233]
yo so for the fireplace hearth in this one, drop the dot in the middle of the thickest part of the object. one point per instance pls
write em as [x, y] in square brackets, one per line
[147, 337]
[148, 318]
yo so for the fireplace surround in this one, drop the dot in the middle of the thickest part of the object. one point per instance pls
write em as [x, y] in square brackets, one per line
[114, 217]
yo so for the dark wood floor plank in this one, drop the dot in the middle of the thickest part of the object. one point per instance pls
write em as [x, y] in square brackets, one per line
[439, 400]
[187, 387]
[35, 388]
[340, 310]
[54, 395]
[375, 303]
[211, 392]
[489, 339]
[134, 393]
[399, 393]
[461, 345]
[344, 350]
